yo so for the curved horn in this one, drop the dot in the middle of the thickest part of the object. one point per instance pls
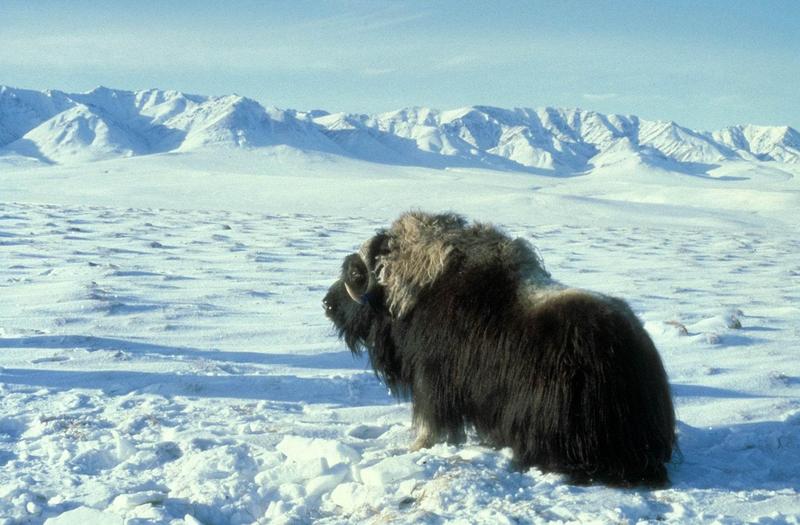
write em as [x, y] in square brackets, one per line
[367, 254]
[372, 282]
[353, 295]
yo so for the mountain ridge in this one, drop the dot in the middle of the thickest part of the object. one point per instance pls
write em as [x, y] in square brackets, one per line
[57, 127]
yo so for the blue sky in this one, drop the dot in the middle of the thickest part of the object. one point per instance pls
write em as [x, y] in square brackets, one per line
[703, 64]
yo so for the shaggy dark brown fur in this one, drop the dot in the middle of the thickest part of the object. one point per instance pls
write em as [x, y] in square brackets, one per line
[467, 323]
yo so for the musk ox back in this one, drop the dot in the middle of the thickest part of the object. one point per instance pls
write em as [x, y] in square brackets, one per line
[467, 323]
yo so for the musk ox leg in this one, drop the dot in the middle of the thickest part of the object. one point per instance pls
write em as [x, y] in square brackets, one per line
[426, 436]
[435, 420]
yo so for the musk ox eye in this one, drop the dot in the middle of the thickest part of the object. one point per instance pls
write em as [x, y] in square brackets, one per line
[356, 275]
[356, 281]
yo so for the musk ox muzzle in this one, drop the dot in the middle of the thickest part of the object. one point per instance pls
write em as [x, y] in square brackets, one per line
[467, 323]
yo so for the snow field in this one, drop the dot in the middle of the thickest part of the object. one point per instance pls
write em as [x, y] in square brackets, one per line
[163, 362]
[175, 366]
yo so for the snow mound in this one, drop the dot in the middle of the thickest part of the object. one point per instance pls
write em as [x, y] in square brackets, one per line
[301, 449]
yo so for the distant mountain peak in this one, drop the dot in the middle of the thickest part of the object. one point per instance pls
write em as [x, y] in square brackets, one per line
[54, 126]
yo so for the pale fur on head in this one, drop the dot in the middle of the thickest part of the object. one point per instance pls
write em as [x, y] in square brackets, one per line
[422, 246]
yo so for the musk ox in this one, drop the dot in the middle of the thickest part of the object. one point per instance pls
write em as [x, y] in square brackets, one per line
[467, 323]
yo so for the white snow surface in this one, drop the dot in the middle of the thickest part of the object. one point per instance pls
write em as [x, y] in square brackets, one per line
[164, 357]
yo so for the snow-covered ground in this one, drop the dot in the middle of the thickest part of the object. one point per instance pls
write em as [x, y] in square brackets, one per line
[164, 357]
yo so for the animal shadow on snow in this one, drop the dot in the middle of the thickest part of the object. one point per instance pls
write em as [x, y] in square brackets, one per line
[339, 360]
[216, 374]
[747, 456]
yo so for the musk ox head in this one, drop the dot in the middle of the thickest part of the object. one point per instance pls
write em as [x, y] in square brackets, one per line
[466, 322]
[356, 301]
[400, 263]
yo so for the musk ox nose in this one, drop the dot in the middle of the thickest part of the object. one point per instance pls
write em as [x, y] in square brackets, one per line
[327, 303]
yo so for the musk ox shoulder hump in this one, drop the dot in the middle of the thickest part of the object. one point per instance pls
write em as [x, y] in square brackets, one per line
[422, 247]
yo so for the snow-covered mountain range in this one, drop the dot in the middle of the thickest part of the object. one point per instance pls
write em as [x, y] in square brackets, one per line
[58, 127]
